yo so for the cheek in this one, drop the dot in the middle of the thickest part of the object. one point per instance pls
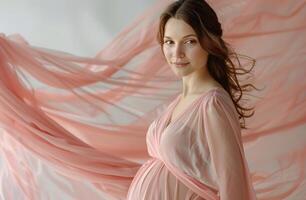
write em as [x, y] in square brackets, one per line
[197, 55]
[167, 53]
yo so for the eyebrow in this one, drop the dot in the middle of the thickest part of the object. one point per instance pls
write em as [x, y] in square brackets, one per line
[184, 36]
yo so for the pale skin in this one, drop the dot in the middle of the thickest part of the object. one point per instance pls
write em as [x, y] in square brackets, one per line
[181, 45]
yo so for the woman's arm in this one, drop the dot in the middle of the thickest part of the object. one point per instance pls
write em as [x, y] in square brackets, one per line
[223, 136]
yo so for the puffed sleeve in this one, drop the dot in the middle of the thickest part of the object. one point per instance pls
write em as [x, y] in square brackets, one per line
[223, 134]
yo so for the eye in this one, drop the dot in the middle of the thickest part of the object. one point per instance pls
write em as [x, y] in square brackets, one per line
[168, 42]
[191, 42]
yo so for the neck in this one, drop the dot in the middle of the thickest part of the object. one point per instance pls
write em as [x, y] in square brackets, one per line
[197, 82]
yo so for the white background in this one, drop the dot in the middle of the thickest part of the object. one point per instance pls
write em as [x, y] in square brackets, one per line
[80, 27]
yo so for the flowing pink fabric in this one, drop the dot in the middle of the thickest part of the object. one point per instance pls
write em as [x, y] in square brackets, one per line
[93, 127]
[202, 147]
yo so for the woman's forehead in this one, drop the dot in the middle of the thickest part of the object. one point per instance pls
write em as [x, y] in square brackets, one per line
[178, 29]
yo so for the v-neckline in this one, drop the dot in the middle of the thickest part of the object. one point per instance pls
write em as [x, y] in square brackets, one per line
[169, 123]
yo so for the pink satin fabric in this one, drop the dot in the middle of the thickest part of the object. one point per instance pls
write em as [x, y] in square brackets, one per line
[73, 127]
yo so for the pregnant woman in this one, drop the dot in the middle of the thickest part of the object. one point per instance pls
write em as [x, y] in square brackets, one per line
[195, 144]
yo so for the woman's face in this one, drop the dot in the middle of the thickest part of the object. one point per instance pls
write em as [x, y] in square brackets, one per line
[182, 49]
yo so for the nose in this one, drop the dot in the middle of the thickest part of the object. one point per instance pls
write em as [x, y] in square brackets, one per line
[179, 51]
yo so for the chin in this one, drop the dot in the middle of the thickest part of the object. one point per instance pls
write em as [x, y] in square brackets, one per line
[181, 74]
[187, 71]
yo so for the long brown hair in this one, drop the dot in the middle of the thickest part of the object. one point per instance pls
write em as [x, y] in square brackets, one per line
[203, 19]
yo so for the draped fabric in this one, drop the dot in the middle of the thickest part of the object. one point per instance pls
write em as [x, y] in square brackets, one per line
[202, 148]
[79, 125]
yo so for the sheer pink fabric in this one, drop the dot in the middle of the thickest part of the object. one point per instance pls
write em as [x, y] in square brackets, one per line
[82, 124]
[202, 148]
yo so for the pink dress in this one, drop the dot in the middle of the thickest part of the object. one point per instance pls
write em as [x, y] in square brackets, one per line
[197, 156]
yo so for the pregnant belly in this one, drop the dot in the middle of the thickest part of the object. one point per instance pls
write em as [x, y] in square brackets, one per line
[154, 181]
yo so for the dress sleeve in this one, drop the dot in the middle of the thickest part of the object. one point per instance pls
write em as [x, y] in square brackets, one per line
[223, 134]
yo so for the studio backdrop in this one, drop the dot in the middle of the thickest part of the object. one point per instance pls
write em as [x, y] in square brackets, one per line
[81, 81]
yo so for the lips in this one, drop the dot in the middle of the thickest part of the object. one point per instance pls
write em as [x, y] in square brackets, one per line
[180, 64]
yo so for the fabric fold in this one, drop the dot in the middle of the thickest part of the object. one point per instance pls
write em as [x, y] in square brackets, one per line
[82, 124]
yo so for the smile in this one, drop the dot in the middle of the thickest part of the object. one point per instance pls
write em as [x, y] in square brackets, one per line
[180, 64]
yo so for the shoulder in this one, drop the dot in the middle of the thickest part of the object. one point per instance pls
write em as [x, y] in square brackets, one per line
[218, 96]
[219, 101]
